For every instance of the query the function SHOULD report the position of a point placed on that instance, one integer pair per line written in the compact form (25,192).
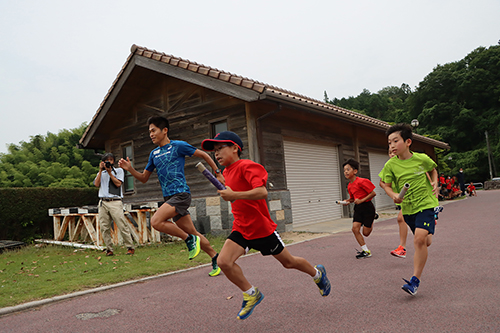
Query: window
(218,127)
(128,182)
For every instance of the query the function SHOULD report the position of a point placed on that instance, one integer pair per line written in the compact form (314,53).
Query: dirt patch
(296,236)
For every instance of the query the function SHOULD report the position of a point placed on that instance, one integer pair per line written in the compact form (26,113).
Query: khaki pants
(110,211)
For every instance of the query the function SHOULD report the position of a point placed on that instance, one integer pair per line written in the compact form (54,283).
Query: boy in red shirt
(253,227)
(361,192)
(471,189)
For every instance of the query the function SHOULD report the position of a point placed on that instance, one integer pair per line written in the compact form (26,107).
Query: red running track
(459,292)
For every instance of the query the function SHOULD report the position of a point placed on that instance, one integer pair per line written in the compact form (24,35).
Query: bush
(24,211)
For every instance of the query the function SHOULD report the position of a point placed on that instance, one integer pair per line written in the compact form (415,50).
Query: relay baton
(403,191)
(209,176)
(343,202)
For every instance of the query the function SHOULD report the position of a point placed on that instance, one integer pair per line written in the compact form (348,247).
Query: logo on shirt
(420,170)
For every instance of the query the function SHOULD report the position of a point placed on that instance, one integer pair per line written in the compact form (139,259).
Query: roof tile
(193,67)
(214,73)
(203,70)
(224,76)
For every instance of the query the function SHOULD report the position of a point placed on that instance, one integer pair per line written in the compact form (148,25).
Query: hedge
(24,211)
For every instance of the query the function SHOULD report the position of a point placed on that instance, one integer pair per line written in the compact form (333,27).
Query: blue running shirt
(169,163)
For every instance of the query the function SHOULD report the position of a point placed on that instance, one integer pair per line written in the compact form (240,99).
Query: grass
(42,271)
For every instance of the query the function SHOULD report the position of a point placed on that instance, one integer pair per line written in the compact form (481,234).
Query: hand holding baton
(403,191)
(210,177)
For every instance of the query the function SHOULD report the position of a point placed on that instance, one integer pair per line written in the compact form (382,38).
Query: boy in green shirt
(420,199)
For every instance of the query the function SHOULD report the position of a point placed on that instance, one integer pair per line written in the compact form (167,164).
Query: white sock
(250,291)
(318,274)
(365,248)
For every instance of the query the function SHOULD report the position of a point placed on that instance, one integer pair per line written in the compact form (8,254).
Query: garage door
(377,162)
(313,178)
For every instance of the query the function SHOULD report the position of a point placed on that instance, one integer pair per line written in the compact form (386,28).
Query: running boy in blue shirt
(420,199)
(168,159)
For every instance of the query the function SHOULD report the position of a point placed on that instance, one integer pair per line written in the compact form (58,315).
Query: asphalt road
(459,290)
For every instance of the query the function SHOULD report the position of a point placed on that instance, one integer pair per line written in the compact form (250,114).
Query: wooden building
(301,142)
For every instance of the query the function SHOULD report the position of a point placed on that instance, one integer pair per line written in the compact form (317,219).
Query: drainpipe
(260,138)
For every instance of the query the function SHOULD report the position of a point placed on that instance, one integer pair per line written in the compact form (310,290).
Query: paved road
(459,292)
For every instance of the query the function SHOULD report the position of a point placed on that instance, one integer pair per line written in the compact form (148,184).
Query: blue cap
(226,136)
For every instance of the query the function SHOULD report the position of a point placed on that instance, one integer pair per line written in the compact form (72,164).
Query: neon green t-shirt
(412,171)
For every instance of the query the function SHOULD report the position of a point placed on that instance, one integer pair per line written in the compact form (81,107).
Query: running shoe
(193,244)
(399,252)
(249,303)
(215,268)
(323,282)
(411,286)
(364,254)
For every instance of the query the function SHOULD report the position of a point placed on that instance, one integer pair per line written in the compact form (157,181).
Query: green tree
(460,101)
(49,161)
(457,102)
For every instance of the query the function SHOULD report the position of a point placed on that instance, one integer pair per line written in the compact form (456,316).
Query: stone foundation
(212,215)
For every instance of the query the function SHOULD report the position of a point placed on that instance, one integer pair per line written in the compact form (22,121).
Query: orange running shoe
(399,252)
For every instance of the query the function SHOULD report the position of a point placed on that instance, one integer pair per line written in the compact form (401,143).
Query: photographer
(109,180)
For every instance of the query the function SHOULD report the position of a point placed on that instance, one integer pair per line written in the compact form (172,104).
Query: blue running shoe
(249,303)
(411,286)
(323,282)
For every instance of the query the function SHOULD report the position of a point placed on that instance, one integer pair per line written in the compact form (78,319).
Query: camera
(108,164)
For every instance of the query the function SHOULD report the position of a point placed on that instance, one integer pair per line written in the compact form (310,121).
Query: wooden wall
(190,110)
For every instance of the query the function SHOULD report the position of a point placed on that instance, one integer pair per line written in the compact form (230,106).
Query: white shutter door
(313,178)
(377,162)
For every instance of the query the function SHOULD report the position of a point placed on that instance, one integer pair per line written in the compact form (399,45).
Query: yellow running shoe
(249,303)
(194,247)
(215,268)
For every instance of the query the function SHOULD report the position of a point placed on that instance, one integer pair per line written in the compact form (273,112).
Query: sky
(59,58)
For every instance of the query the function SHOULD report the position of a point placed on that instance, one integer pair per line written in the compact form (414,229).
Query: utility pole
(489,153)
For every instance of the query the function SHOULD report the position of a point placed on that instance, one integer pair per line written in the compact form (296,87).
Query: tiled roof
(248,83)
(261,88)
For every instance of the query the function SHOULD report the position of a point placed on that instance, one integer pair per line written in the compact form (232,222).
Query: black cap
(226,136)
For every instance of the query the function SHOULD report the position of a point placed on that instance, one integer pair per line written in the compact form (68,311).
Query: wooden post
(57,226)
(133,230)
(87,220)
(142,222)
(64,226)
(75,228)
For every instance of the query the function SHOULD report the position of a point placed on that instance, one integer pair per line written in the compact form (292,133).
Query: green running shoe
(193,244)
(249,303)
(215,268)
